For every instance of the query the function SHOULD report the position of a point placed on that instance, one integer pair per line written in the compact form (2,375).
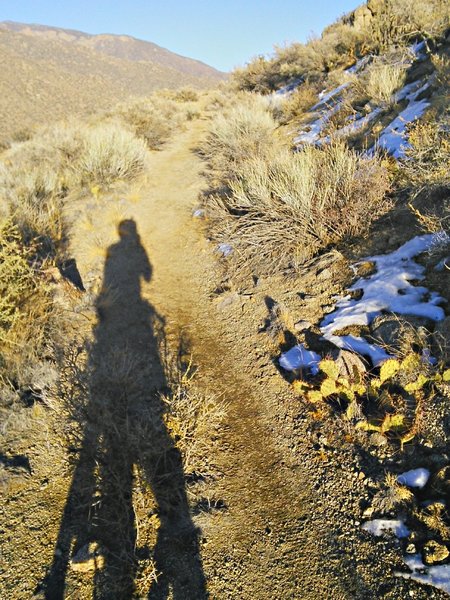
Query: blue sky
(222,33)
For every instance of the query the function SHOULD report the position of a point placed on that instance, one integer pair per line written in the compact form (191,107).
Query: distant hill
(48,73)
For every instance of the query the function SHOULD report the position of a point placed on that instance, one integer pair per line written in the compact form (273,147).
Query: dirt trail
(259,548)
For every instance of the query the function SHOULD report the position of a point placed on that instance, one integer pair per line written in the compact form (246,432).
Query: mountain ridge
(46,75)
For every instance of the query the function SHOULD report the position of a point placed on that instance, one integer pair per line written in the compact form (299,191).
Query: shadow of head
(127,230)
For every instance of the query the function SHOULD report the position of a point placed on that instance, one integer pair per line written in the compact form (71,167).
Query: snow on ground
(419,50)
(325,97)
(378,527)
(225,249)
(437,575)
(359,65)
(389,289)
(299,357)
(328,105)
(289,88)
(355,125)
(394,138)
(416,478)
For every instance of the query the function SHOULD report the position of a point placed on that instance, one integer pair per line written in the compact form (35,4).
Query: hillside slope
(50,73)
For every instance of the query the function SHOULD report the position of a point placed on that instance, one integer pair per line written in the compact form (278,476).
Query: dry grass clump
(301,100)
(109,153)
(383,81)
(246,130)
(283,211)
(391,495)
(193,420)
(427,162)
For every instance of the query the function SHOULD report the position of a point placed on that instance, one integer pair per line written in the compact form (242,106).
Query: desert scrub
(383,80)
(35,176)
(281,212)
(154,119)
(245,131)
(427,162)
(301,100)
(26,309)
(110,153)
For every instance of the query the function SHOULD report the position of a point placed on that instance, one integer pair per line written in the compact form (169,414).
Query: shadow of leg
(176,554)
(75,529)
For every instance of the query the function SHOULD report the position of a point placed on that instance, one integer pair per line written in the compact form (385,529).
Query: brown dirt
(289,500)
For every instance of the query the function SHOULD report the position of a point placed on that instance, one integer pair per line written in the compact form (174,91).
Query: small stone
(89,558)
(377,439)
(348,363)
(433,552)
(365,268)
(411,549)
(302,325)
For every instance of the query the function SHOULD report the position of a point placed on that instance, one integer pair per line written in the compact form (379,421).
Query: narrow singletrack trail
(269,542)
(261,548)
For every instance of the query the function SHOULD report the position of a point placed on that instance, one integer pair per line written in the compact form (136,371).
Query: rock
(88,558)
(302,325)
(411,549)
(228,301)
(348,363)
(361,18)
(433,552)
(377,440)
(389,330)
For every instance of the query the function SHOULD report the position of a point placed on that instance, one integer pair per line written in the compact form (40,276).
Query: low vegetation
(277,208)
(372,29)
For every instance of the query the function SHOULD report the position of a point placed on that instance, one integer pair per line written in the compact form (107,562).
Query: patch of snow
(388,289)
(419,50)
(289,88)
(299,357)
(315,128)
(378,527)
(356,125)
(438,575)
(416,478)
(325,97)
(394,138)
(225,249)
(359,65)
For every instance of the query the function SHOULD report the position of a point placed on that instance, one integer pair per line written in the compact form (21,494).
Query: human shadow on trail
(124,430)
